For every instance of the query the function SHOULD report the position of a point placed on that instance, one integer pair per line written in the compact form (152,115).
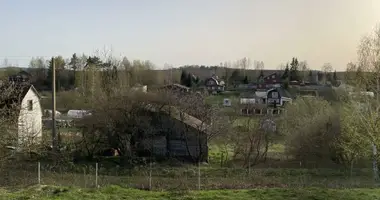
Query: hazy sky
(182,32)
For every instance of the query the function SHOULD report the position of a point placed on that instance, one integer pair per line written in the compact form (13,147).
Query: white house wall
(30,121)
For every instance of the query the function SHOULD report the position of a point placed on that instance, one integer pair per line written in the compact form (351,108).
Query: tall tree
(93,64)
(235,76)
(285,75)
(335,76)
(189,80)
(38,70)
(184,78)
(304,67)
(294,71)
(350,74)
(327,69)
(74,64)
(321,76)
(59,69)
(5,63)
(260,78)
(310,76)
(369,62)
(245,81)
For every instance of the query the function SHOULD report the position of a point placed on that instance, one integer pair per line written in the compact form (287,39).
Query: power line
(36,56)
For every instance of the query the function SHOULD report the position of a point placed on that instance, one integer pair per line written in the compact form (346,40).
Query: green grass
(116,192)
(186,177)
(218,99)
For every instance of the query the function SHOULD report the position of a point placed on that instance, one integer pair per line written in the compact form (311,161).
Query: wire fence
(190,177)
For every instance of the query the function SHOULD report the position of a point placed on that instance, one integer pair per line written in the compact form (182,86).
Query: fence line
(192,177)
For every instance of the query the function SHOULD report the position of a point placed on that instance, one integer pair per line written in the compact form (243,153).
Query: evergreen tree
(74,62)
(183,80)
(335,77)
(285,75)
(260,78)
(189,80)
(294,72)
(245,81)
(262,73)
(235,76)
(196,80)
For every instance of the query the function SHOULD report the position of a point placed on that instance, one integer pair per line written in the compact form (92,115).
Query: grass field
(116,192)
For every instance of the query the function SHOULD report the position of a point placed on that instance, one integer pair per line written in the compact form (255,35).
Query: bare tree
(258,66)
(251,141)
(5,62)
(304,68)
(327,70)
(245,64)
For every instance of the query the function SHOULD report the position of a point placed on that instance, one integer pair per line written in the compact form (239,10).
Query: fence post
(84,177)
(150,175)
(39,173)
(199,175)
(249,166)
(96,175)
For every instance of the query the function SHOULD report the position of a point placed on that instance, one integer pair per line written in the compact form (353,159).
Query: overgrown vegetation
(158,136)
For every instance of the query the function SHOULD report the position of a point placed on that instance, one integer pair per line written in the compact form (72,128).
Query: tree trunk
(351,167)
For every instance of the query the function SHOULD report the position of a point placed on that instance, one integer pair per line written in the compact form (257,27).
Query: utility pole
(54,132)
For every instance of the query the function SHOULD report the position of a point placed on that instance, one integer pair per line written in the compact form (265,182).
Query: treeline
(89,73)
(78,72)
(243,71)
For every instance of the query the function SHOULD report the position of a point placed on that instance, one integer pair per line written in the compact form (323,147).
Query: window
(250,111)
(275,95)
(258,111)
(244,111)
(30,105)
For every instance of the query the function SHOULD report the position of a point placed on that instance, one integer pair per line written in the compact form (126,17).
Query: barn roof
(181,116)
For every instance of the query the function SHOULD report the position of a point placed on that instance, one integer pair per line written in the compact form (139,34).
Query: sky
(181,32)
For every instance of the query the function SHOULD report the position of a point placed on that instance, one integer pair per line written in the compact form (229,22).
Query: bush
(310,126)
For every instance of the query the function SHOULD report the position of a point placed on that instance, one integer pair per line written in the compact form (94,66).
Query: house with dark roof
(178,135)
(278,97)
(20,77)
(20,105)
(270,81)
(214,85)
(273,78)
